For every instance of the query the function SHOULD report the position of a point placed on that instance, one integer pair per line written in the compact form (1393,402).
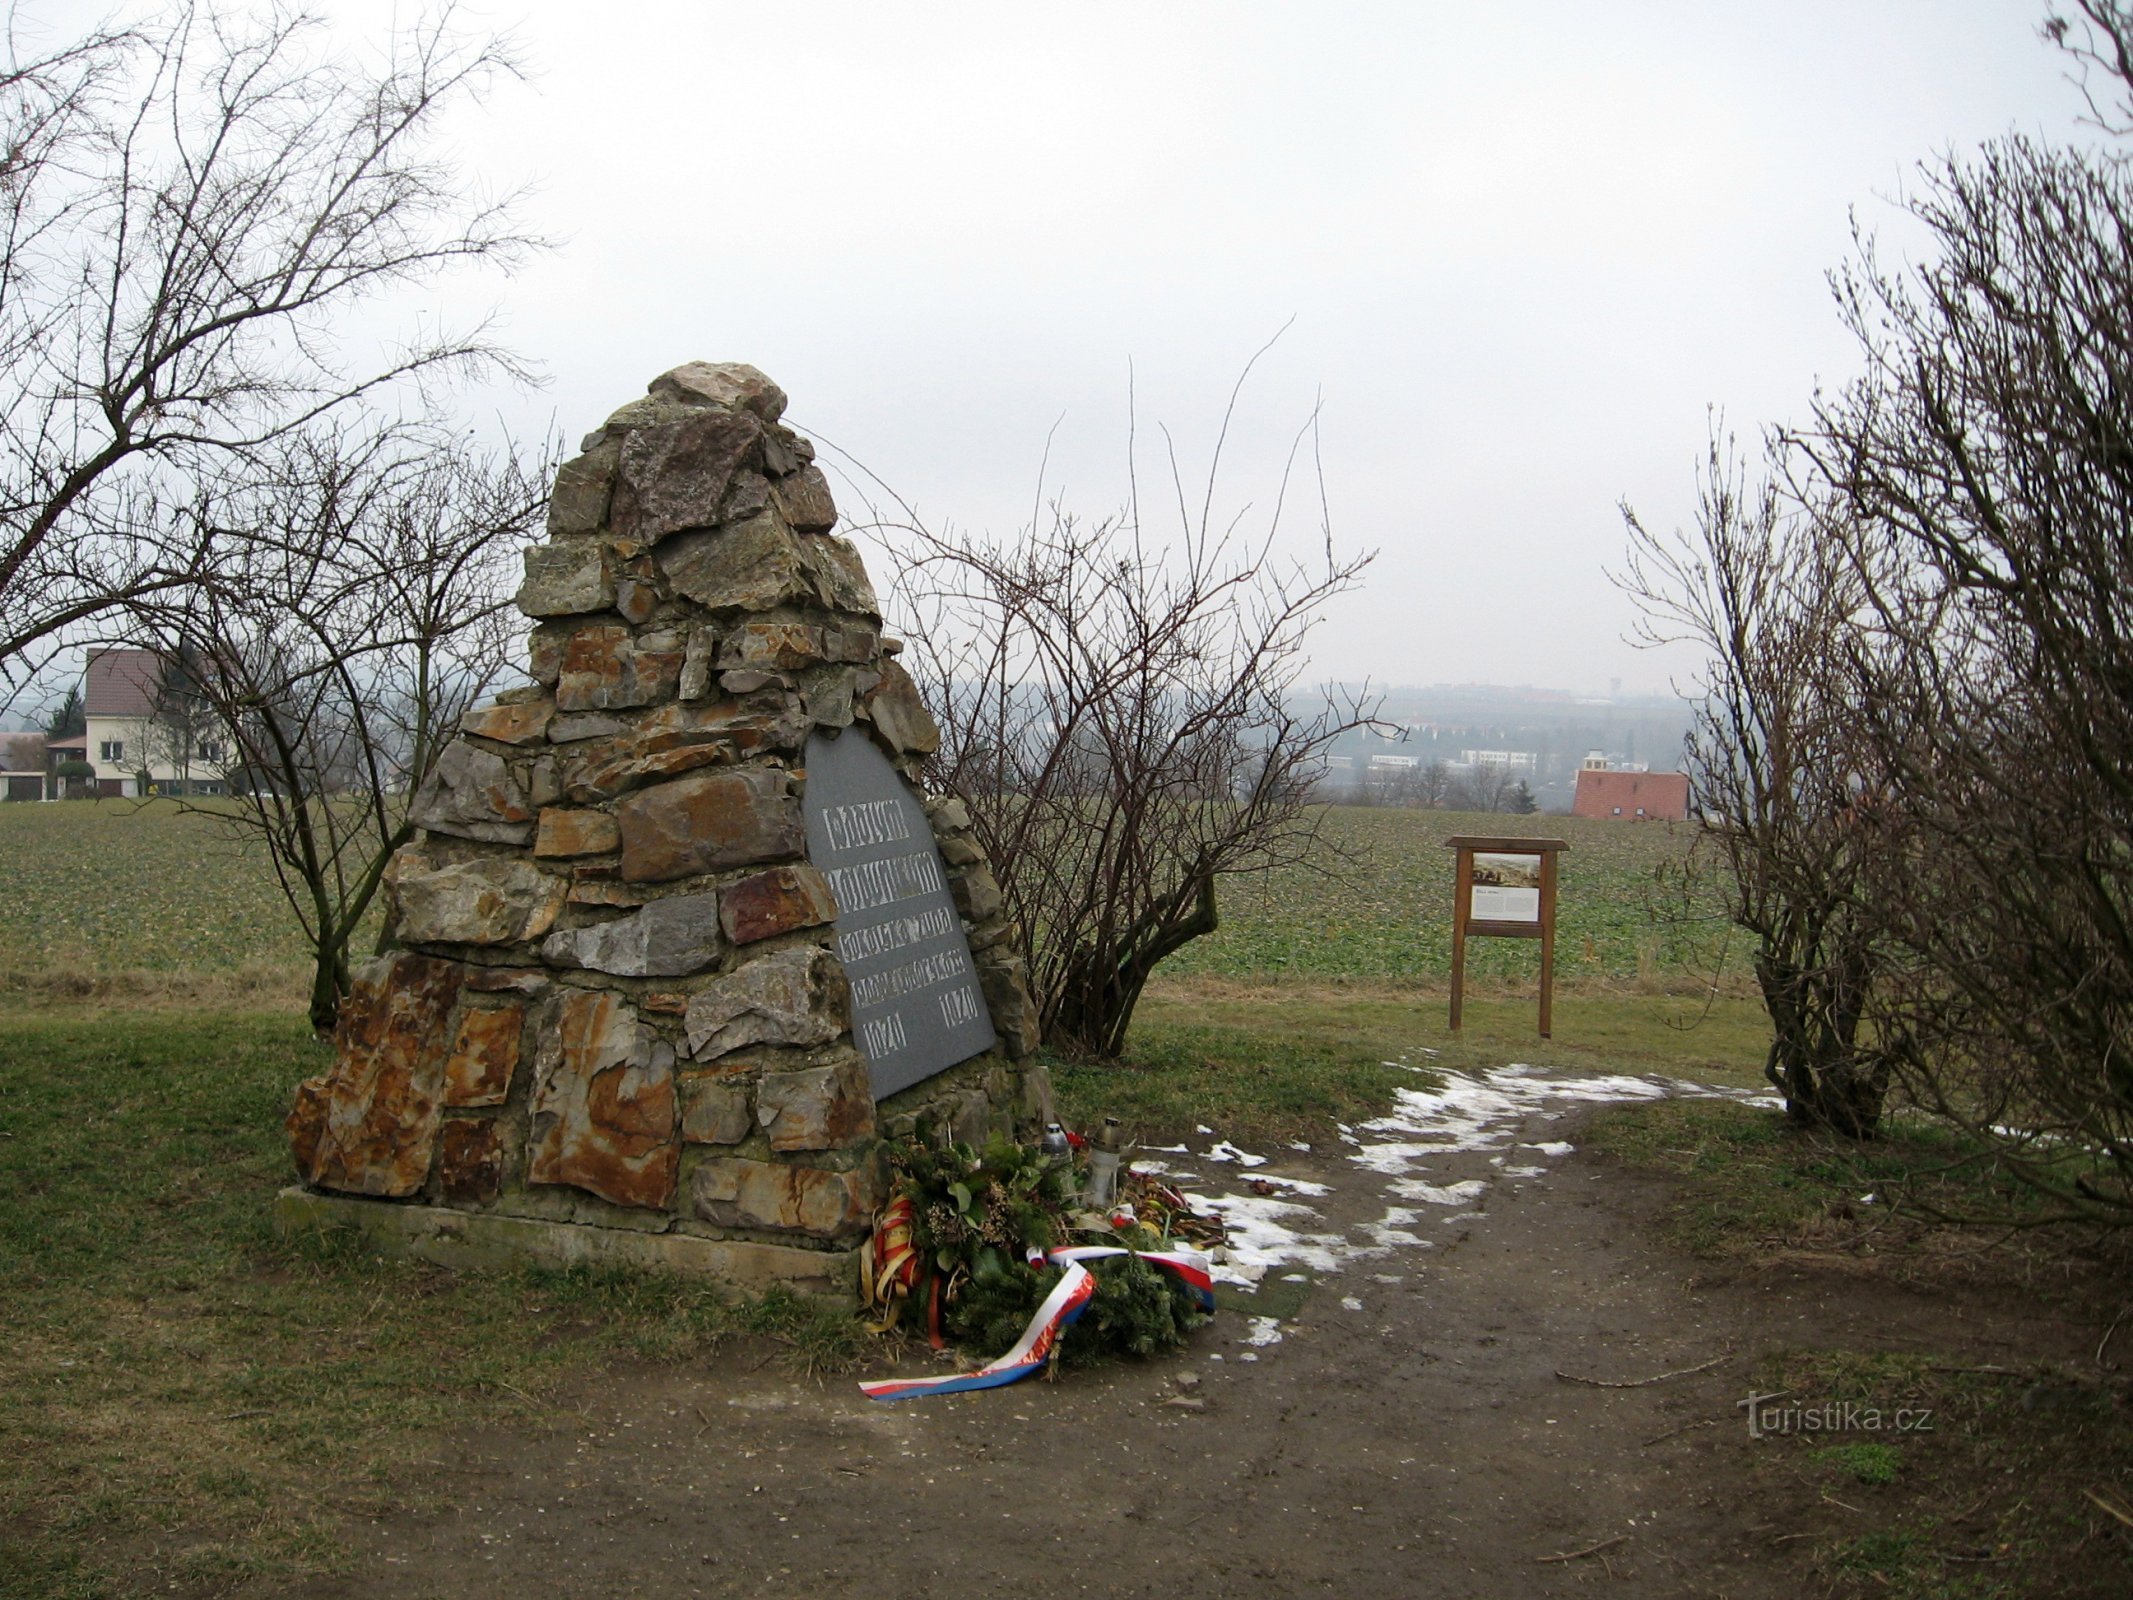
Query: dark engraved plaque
(916,1005)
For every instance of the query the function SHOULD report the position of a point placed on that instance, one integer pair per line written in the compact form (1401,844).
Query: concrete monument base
(468,1239)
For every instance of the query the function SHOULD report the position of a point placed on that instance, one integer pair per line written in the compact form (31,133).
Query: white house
(133,751)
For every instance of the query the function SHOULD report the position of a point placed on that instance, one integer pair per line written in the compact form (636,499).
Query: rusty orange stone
(604,1113)
(735,1192)
(900,715)
(306,1123)
(470,1160)
(722,819)
(484,1056)
(681,737)
(566,831)
(510,724)
(775,902)
(604,666)
(370,1125)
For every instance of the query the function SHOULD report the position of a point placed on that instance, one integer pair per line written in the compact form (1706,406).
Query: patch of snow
(1482,1114)
(1264,1233)
(1391,1233)
(1350,1303)
(1450,1194)
(1203,1128)
(1263,1331)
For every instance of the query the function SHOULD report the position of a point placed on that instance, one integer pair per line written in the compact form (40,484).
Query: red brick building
(1631,796)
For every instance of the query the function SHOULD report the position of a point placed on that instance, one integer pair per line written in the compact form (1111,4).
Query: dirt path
(1408,1434)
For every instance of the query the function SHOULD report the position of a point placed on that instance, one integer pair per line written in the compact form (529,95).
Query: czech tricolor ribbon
(1070,1297)
(1188,1266)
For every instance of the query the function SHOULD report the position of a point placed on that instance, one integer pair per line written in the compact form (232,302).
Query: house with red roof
(1630,796)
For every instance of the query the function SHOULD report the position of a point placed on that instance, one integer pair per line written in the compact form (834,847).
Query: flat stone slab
(486,1241)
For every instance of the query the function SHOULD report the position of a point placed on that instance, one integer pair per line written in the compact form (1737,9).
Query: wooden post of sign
(1462,897)
(1514,880)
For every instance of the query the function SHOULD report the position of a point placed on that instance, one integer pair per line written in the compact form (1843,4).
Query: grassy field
(1283,1059)
(119,894)
(141,900)
(184,1394)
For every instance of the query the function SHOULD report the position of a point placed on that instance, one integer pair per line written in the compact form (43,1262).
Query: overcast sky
(1524,250)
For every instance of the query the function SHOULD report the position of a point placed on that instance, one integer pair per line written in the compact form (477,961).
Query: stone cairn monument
(679,941)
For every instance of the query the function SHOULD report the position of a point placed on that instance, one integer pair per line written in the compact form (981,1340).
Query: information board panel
(1507,888)
(917,1008)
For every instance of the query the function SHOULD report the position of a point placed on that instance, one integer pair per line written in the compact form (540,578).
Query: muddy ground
(1412,1432)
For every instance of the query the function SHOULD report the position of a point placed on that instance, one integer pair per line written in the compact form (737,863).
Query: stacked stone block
(617,1003)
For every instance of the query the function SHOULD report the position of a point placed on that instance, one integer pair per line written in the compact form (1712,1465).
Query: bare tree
(1769,600)
(1121,715)
(1432,788)
(1985,461)
(365,607)
(193,214)
(1486,786)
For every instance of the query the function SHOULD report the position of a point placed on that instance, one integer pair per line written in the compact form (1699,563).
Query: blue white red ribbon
(1189,1267)
(1070,1297)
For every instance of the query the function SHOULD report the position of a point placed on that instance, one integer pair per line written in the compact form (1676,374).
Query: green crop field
(109,889)
(1382,909)
(112,890)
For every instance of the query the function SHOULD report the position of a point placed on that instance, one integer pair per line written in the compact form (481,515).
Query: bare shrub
(365,609)
(1768,600)
(1121,713)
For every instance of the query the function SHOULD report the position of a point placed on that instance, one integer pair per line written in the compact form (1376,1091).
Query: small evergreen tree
(70,718)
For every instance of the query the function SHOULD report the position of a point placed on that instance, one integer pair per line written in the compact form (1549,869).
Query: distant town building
(1501,760)
(1631,796)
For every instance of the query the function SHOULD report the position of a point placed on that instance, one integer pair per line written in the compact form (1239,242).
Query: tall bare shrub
(1122,713)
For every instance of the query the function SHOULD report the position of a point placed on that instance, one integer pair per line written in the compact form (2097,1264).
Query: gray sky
(1525,248)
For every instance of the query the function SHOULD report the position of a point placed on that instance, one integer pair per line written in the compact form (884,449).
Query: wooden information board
(1505,889)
